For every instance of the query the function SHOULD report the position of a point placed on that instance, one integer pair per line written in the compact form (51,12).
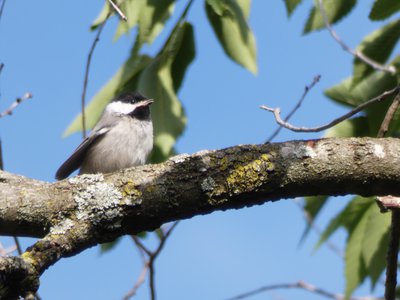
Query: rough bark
(71,215)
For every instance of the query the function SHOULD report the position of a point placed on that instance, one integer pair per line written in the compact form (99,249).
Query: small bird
(122,138)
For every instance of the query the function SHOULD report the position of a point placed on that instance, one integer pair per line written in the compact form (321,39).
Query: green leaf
(105,11)
(132,10)
(291,5)
(229,21)
(105,247)
(149,15)
(383,9)
(374,244)
(367,233)
(186,54)
(218,6)
(245,6)
(156,82)
(132,67)
(353,95)
(371,86)
(347,218)
(355,271)
(335,11)
(378,46)
(167,113)
(312,207)
(356,127)
(159,233)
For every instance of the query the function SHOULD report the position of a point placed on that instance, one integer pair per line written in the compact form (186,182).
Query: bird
(122,138)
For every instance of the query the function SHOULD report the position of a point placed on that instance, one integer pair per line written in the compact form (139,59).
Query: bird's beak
(145,103)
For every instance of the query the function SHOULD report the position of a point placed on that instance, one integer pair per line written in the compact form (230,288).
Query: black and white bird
(122,138)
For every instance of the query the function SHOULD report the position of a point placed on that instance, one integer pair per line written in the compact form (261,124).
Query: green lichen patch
(131,195)
(129,189)
(249,175)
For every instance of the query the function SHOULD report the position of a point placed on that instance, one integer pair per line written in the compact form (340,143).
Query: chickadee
(122,138)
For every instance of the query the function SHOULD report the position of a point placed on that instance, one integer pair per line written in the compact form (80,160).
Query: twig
(138,283)
(167,233)
(355,53)
(2,8)
(277,111)
(17,245)
(118,10)
(17,102)
(299,285)
(392,256)
(389,116)
(85,82)
(141,246)
(297,106)
(393,247)
(148,264)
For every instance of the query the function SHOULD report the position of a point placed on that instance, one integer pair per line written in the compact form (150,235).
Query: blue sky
(44,45)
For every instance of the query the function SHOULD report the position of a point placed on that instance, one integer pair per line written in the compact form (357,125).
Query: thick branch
(145,197)
(78,213)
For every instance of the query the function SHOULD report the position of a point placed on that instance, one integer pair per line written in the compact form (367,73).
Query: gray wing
(76,159)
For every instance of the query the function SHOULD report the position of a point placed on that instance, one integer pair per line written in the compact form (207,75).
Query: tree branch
(118,10)
(297,106)
(75,214)
(303,286)
(357,54)
(277,113)
(392,255)
(18,101)
(86,77)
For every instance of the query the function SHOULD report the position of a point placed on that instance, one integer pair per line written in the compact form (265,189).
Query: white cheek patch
(119,107)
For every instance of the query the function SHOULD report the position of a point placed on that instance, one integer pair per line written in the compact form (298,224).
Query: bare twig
(355,53)
(118,10)
(148,264)
(392,256)
(389,116)
(140,245)
(277,111)
(139,282)
(17,102)
(167,233)
(297,106)
(388,202)
(85,82)
(299,285)
(1,67)
(17,245)
(3,3)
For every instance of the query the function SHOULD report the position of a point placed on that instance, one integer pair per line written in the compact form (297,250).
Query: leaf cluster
(367,228)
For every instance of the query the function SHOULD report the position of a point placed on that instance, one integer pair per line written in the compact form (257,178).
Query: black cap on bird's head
(131,97)
(132,104)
